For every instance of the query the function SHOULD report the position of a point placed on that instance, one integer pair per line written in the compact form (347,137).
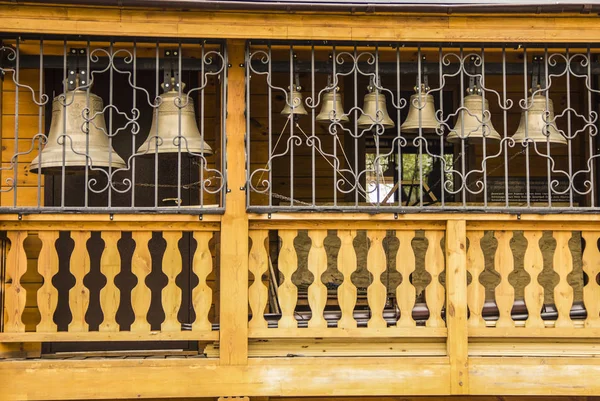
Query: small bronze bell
(332,111)
(296,102)
(429,124)
(72,124)
(375,112)
(540,129)
(476,125)
(167,126)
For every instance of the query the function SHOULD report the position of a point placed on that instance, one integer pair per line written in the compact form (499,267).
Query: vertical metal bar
(398,125)
(590,131)
(569,142)
(312,150)
(87,124)
(335,140)
(483,128)
(248,117)
(270,117)
(40,124)
(133,147)
(377,163)
(16,165)
(527,189)
(202,106)
(156,116)
(292,116)
(548,163)
(505,126)
(110,122)
(420,95)
(441,82)
(355,104)
(179,136)
(463,140)
(224,124)
(64,134)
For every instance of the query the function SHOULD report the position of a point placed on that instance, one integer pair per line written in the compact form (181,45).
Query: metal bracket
(171,78)
(76,68)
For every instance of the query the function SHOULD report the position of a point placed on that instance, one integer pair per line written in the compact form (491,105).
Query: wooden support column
(234,225)
(456,305)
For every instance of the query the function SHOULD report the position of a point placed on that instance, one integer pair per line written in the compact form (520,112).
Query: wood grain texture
(376,292)
(475,290)
(405,265)
(288,292)
(563,292)
(456,310)
(171,294)
(504,264)
(14,292)
(346,292)
(591,267)
(434,293)
(47,296)
(534,292)
(317,292)
(79,295)
(258,293)
(141,267)
(202,266)
(110,266)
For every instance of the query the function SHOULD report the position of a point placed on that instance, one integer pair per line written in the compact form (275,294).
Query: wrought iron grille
(404,127)
(112,125)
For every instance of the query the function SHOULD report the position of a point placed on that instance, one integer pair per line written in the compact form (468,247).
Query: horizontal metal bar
(111,210)
(426,209)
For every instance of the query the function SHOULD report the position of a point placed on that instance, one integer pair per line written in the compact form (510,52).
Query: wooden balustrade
(105,273)
(327,283)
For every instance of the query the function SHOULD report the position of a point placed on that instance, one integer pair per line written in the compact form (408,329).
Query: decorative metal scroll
(410,127)
(100,144)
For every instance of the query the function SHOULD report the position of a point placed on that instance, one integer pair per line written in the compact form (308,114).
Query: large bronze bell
(540,128)
(429,124)
(476,125)
(332,111)
(165,125)
(375,112)
(72,124)
(296,102)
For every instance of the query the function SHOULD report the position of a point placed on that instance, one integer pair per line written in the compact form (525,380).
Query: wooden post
(234,225)
(456,305)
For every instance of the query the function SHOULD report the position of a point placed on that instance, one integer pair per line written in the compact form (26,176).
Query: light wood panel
(376,292)
(405,265)
(141,267)
(505,292)
(347,290)
(534,292)
(79,295)
(110,266)
(171,294)
(434,293)
(258,264)
(591,267)
(475,291)
(47,297)
(317,292)
(563,292)
(14,293)
(288,292)
(202,266)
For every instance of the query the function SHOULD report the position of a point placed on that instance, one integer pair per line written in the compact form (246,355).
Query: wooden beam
(185,377)
(456,305)
(234,224)
(63,336)
(77,20)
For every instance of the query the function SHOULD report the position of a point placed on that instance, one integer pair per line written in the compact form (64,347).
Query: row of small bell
(473,124)
(165,124)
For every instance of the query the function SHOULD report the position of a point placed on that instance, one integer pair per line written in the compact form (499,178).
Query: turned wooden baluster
(47,296)
(476,290)
(110,266)
(563,292)
(288,292)
(534,292)
(258,293)
(405,265)
(591,267)
(317,292)
(504,265)
(79,295)
(141,267)
(171,294)
(202,266)
(434,293)
(14,293)
(346,292)
(376,292)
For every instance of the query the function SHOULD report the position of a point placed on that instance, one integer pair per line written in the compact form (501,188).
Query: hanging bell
(72,124)
(297,104)
(540,129)
(332,111)
(429,124)
(474,126)
(375,112)
(167,127)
